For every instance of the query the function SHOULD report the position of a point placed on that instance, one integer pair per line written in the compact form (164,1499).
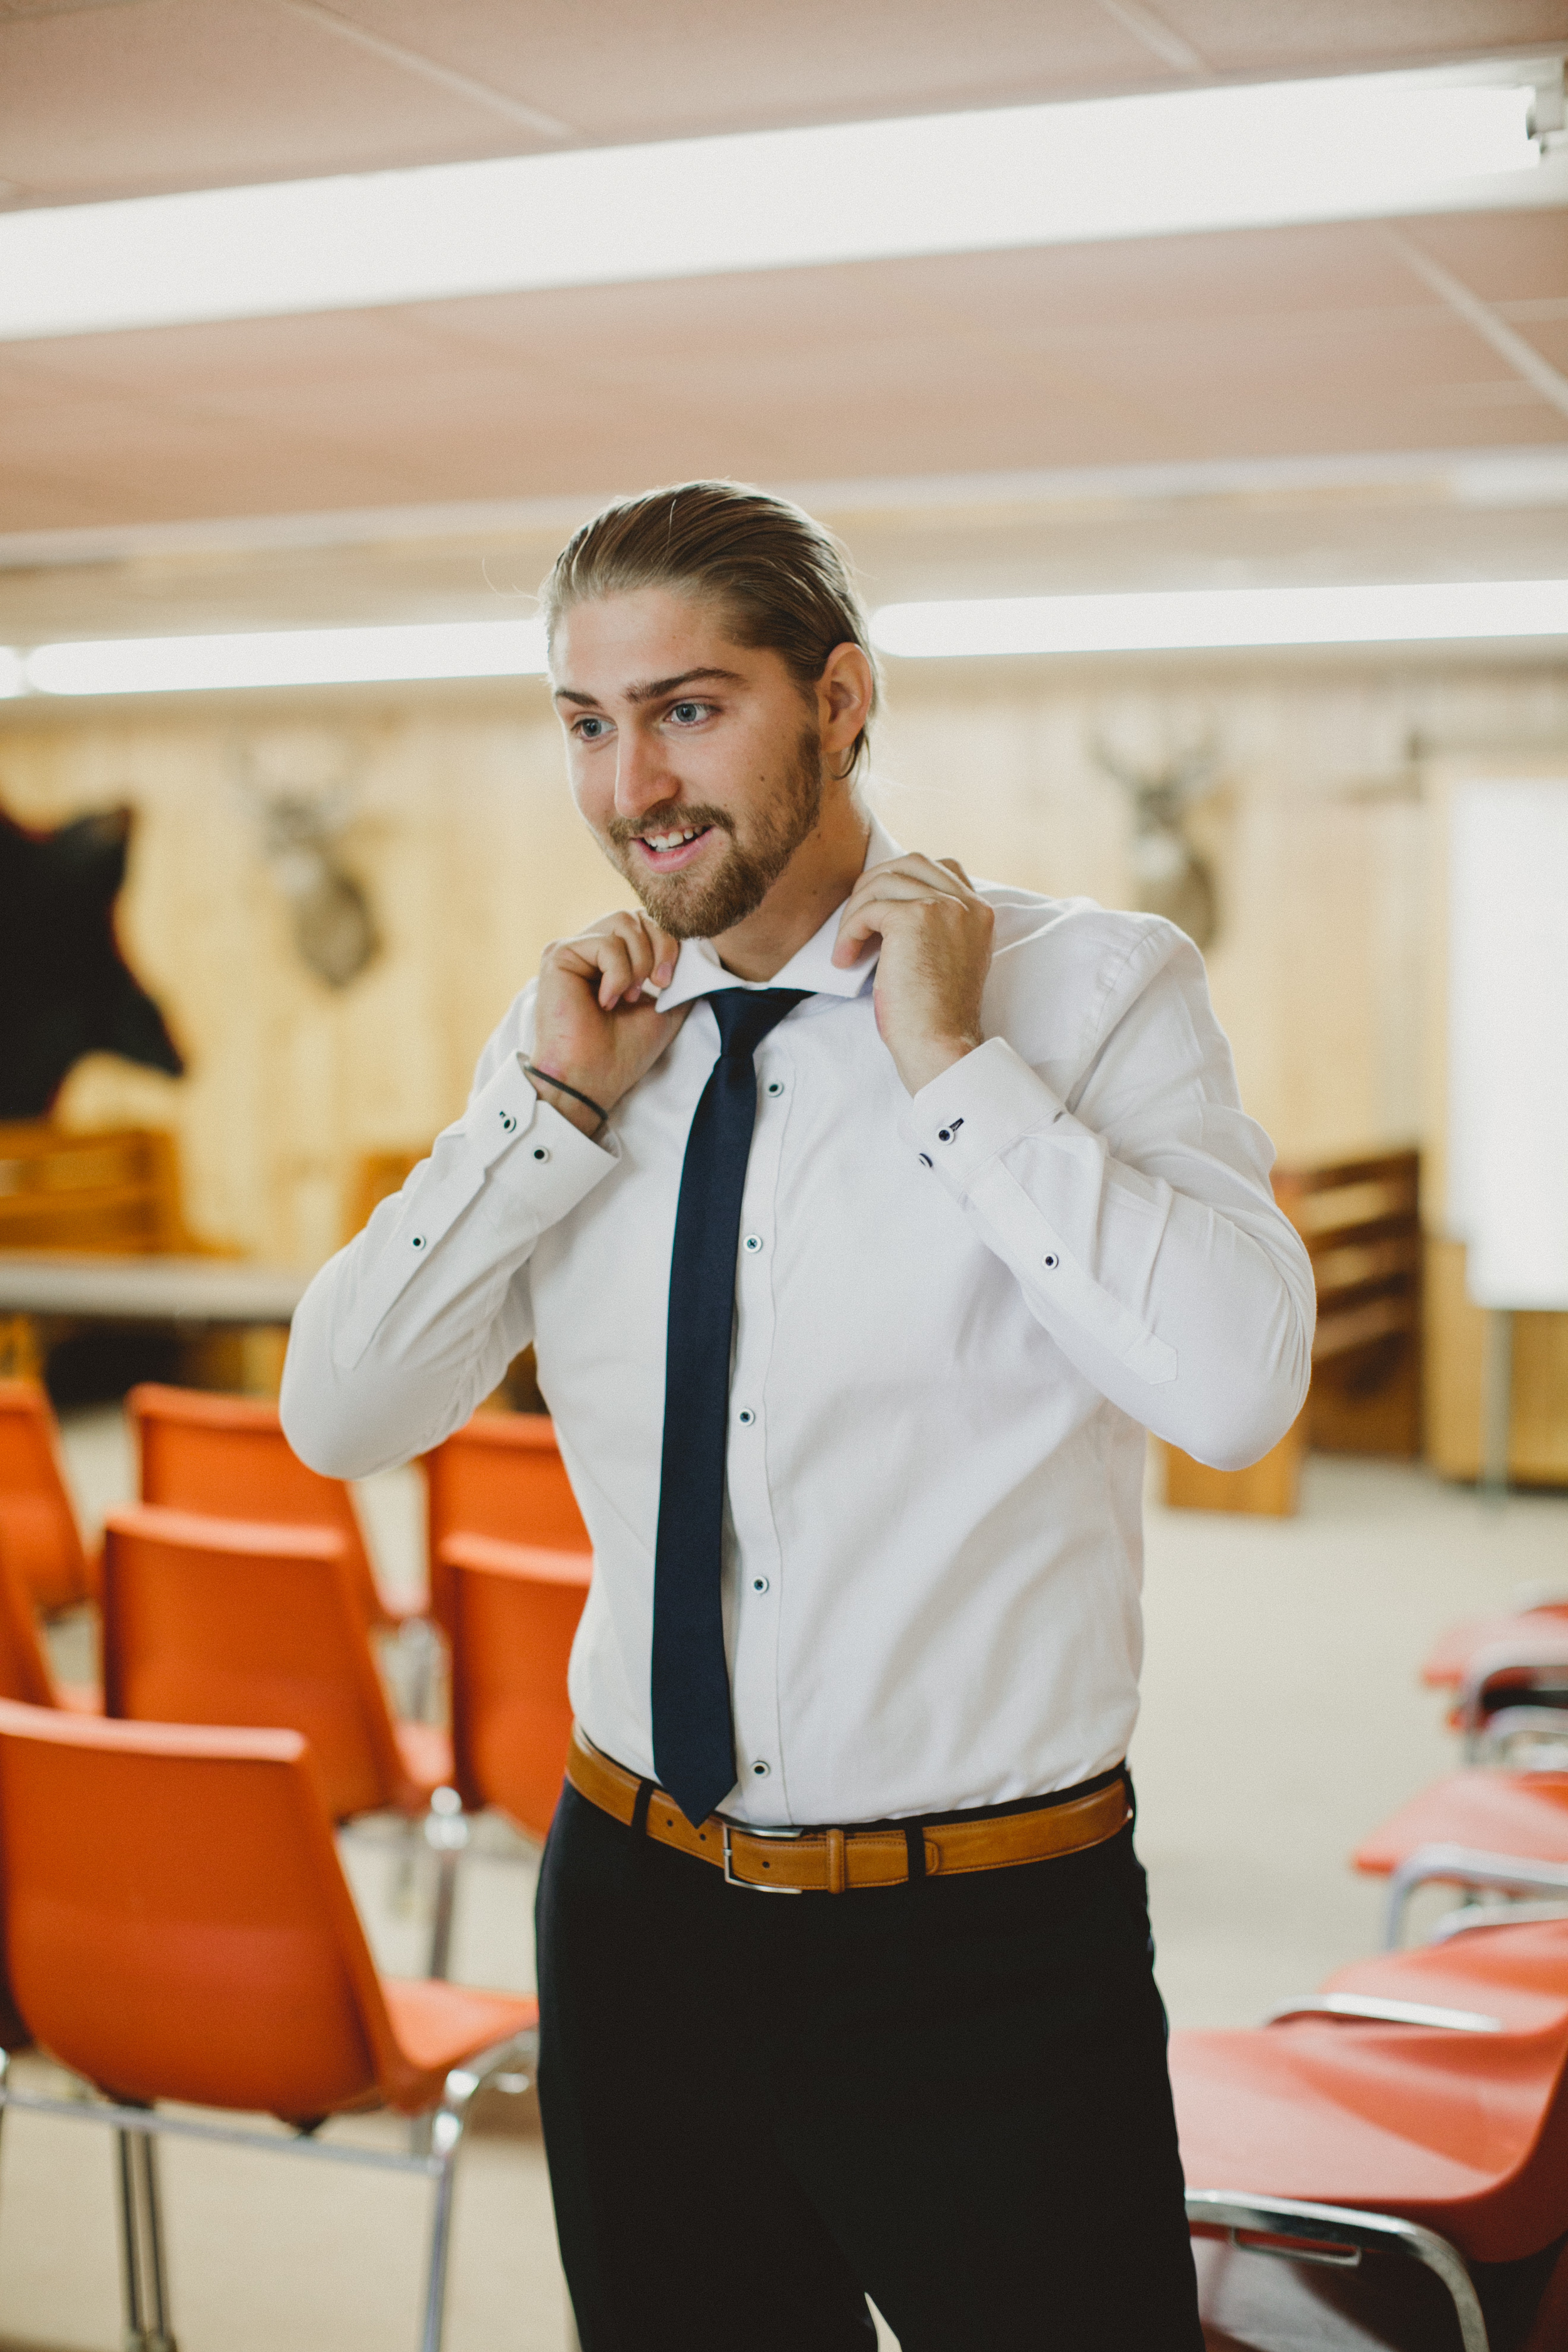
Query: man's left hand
(936,951)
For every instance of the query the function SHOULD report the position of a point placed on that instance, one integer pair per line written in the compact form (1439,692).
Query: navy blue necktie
(693,1738)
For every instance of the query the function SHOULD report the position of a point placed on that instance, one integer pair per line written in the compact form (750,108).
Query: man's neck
(818,879)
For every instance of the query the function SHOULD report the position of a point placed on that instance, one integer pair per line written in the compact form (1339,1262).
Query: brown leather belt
(827,1861)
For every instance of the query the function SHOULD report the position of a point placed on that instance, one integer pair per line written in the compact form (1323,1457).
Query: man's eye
(589,730)
(686,714)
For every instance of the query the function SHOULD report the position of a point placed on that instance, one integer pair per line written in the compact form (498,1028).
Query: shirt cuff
(508,1121)
(976,1110)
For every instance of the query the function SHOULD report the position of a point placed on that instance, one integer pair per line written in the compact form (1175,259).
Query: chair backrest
(226,1457)
(514,1613)
(36,1521)
(177,1918)
(25,1672)
(500,1475)
(213,1620)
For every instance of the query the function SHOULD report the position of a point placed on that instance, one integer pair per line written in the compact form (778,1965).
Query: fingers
(625,954)
(907,881)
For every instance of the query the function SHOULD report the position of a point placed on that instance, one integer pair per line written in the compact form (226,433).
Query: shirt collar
(698,973)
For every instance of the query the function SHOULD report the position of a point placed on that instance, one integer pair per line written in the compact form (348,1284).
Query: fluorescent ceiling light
(1182,160)
(1141,623)
(283,657)
(1166,620)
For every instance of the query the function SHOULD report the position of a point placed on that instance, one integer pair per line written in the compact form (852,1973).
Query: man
(864,1217)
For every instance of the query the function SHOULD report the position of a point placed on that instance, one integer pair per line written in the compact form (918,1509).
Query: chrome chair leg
(417,1639)
(159,2334)
(444,2131)
(447,1833)
(1296,2230)
(129,2244)
(446,2138)
(144,2272)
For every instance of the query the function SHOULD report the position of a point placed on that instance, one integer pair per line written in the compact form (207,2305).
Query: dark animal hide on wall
(65,988)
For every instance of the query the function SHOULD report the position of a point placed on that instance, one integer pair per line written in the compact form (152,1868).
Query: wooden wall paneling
(1538,1423)
(474,857)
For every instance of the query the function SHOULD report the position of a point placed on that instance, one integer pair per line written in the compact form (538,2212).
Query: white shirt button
(753,1242)
(416,1241)
(776,1085)
(760,1769)
(507,1122)
(1049,1258)
(759,1584)
(540,1151)
(745,1416)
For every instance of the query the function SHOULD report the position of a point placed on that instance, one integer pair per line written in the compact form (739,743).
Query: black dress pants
(950,2095)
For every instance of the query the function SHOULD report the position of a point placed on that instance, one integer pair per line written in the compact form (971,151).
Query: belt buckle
(752,1884)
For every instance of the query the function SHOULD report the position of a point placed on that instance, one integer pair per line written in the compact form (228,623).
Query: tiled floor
(1282,1719)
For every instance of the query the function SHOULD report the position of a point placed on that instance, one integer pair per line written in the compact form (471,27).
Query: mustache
(670,816)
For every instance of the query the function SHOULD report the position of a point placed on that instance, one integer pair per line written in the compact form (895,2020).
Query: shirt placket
(757,1565)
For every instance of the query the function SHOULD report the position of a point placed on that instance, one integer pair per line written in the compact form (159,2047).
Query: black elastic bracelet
(561,1088)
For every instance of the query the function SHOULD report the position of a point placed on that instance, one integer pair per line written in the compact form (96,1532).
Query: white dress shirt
(955,1316)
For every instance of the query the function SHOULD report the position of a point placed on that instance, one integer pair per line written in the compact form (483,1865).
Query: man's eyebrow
(654,687)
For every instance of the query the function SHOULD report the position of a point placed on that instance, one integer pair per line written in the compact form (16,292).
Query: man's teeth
(662,840)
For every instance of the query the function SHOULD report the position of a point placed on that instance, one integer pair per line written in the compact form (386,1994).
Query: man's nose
(642,779)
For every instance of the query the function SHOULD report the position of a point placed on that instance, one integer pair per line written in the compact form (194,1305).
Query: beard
(692,907)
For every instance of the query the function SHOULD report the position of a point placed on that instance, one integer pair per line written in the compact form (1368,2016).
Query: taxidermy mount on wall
(301,784)
(1171,876)
(65,988)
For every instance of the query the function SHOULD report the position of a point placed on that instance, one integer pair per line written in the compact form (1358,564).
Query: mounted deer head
(302,786)
(1171,876)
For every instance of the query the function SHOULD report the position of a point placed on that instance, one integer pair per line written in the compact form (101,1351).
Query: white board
(1508,1043)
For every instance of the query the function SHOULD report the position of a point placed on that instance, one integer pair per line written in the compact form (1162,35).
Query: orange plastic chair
(499,1476)
(1451,1657)
(1502,1831)
(1419,2104)
(514,1611)
(178,1927)
(37,1522)
(226,1457)
(25,1674)
(213,1620)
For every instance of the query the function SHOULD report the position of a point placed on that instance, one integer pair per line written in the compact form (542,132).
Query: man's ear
(845,692)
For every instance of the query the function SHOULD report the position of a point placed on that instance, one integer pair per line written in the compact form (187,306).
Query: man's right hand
(595,1025)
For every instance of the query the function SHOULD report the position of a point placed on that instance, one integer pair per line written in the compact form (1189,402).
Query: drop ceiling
(1267,346)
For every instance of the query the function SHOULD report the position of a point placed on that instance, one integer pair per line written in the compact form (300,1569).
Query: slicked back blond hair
(783,580)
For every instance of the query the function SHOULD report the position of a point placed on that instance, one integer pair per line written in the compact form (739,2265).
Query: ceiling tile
(636,69)
(1501,256)
(1283,343)
(197,93)
(1257,36)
